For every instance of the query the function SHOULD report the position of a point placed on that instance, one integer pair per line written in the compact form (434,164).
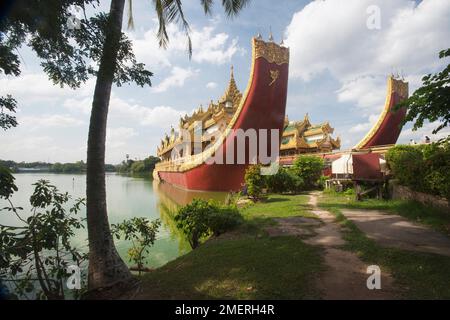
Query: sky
(338,72)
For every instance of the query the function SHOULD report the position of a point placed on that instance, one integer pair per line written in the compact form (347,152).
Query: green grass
(419,275)
(412,210)
(279,206)
(258,268)
(248,265)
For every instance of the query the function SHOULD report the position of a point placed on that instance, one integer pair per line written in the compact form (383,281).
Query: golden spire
(232,90)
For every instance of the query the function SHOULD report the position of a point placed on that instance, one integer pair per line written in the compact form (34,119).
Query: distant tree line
(76,167)
(138,167)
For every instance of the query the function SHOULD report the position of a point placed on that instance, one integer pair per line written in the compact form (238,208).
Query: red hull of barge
(264,106)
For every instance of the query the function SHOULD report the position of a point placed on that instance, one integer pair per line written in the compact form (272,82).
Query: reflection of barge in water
(262,106)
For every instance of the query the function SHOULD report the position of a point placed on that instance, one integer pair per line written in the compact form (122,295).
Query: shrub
(142,234)
(422,168)
(321,182)
(284,181)
(201,218)
(406,164)
(224,219)
(192,219)
(309,170)
(254,181)
(437,164)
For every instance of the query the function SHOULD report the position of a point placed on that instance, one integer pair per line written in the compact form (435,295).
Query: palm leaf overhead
(233,7)
(171,11)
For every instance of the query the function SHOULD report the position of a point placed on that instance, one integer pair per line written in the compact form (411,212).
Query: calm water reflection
(127,197)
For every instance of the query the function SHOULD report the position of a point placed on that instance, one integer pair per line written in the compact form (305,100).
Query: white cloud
(332,36)
(367,93)
(208,45)
(83,105)
(118,137)
(213,48)
(159,116)
(211,85)
(177,78)
(50,121)
(36,87)
(365,126)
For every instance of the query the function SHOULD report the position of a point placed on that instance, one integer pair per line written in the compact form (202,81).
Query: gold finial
(270,35)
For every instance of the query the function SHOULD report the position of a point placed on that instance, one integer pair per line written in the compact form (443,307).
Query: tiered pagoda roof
(304,137)
(220,112)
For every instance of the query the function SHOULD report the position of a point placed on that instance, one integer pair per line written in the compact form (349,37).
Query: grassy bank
(247,265)
(420,275)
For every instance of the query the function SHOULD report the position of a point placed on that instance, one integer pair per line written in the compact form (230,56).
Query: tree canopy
(68,54)
(431,102)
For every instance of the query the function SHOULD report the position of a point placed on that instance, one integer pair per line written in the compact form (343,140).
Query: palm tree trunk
(106,268)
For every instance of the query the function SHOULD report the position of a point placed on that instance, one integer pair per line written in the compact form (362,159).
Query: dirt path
(345,276)
(397,232)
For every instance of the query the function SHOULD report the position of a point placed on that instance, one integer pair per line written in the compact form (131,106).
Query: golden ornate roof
(304,135)
(209,117)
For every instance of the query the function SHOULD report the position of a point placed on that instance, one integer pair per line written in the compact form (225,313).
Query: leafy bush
(309,170)
(193,218)
(201,218)
(254,181)
(422,168)
(35,254)
(284,181)
(322,182)
(407,165)
(7,186)
(224,219)
(142,234)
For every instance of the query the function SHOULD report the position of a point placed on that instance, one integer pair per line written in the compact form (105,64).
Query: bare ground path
(397,232)
(345,276)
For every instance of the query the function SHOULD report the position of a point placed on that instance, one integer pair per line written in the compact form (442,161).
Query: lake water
(127,197)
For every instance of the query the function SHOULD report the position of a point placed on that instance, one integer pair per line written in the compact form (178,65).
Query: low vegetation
(423,168)
(201,218)
(142,234)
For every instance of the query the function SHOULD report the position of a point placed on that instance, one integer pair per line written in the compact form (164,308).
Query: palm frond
(169,11)
(233,7)
(207,4)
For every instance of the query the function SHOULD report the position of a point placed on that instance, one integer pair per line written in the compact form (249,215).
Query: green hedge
(423,168)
